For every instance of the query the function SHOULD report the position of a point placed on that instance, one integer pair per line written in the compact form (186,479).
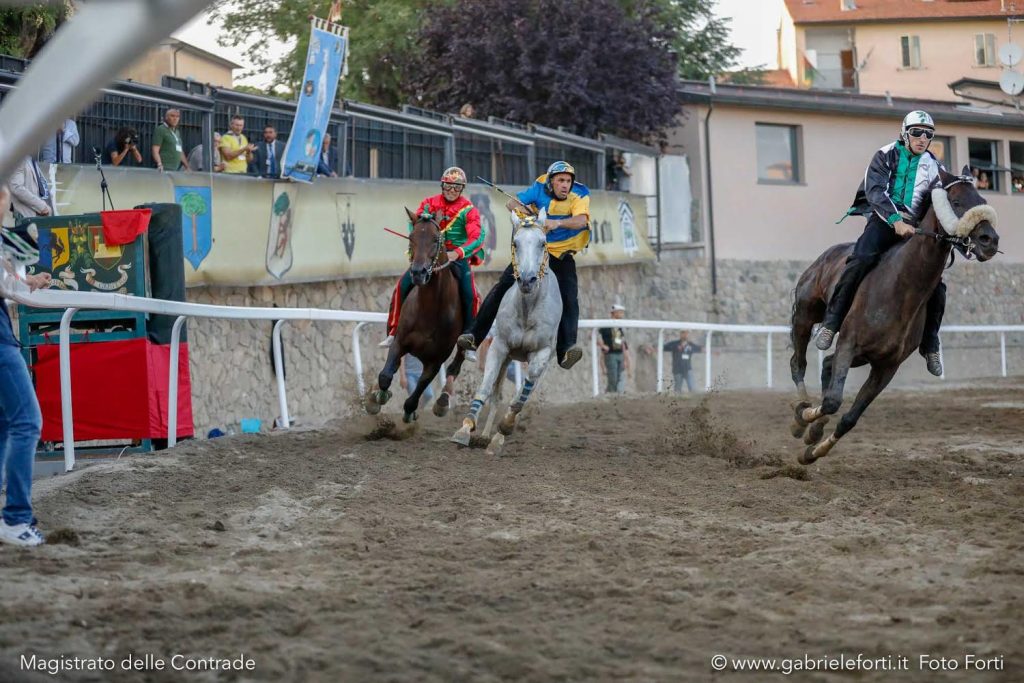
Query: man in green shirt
(168,151)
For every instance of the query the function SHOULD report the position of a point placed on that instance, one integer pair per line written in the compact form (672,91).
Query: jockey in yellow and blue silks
(464,237)
(567,204)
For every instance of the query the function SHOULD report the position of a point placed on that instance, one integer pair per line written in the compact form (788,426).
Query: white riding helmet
(915,119)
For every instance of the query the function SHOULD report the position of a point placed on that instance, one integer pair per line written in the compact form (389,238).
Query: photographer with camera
(123,150)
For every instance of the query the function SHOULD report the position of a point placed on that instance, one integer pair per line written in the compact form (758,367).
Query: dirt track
(628,539)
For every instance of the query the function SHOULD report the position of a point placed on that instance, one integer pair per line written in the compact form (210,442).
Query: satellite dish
(1011,82)
(1010,54)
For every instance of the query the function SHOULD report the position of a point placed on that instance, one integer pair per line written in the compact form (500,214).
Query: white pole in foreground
(660,385)
(172,383)
(65,389)
(1002,352)
(593,361)
(282,395)
(768,352)
(357,359)
(707,361)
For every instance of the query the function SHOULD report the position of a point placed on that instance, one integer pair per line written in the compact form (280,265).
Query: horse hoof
(797,429)
(441,405)
(816,431)
(461,437)
(506,426)
(409,418)
(798,411)
(372,407)
(494,447)
(380,397)
(807,457)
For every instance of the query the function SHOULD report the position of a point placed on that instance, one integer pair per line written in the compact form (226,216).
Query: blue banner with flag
(328,46)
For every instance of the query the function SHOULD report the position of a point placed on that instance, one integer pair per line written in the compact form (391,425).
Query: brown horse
(430,322)
(886,320)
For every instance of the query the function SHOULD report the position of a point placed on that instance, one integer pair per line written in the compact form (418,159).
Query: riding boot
(841,300)
(934,311)
(460,269)
(488,310)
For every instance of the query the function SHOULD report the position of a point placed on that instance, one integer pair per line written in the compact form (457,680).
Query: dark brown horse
(430,322)
(886,320)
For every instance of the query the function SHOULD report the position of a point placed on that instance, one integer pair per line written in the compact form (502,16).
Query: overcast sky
(753,28)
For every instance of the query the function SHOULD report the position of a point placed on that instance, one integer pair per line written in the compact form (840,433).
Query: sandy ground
(628,539)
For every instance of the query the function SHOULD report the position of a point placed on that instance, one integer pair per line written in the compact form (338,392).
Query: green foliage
(24,30)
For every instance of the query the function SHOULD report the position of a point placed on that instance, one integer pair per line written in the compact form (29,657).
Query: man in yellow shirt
(235,149)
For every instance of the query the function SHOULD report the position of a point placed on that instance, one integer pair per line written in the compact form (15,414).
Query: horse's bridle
(438,248)
(515,262)
(965,245)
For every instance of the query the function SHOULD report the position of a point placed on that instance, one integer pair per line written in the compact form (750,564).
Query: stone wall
(231,366)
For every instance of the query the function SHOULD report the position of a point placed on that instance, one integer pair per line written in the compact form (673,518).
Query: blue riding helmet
(555,169)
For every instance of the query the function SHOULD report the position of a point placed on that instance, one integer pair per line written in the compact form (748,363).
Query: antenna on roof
(711,84)
(888,98)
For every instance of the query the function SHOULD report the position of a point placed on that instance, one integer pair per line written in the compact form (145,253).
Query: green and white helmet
(916,119)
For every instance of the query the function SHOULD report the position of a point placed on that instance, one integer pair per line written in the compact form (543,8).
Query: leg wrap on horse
(489,308)
(565,271)
(524,395)
(475,407)
(460,269)
(933,320)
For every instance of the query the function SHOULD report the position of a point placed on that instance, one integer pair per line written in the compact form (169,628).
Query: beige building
(910,48)
(178,59)
(784,164)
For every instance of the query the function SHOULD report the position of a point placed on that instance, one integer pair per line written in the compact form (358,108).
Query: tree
(193,205)
(381,36)
(24,30)
(698,37)
(548,62)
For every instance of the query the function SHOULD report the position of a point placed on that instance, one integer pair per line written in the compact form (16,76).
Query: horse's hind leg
(412,403)
(444,399)
(877,381)
(538,364)
(381,394)
(807,310)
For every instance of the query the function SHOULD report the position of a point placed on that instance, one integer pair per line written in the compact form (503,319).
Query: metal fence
(368,141)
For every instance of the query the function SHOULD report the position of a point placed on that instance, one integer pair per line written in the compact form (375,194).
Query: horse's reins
(434,268)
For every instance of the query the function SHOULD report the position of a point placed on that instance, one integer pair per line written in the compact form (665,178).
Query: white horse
(525,328)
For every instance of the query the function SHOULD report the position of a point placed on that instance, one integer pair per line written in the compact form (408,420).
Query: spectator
(168,151)
(617,172)
(195,157)
(467,111)
(123,150)
(682,349)
(409,376)
(65,140)
(328,158)
(20,419)
(616,353)
(235,149)
(267,157)
(983,182)
(30,193)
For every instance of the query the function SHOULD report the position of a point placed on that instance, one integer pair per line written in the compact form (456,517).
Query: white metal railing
(74,301)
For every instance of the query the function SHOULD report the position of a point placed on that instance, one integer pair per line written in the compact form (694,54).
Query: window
(984,162)
(1017,167)
(848,5)
(985,49)
(910,48)
(942,148)
(777,153)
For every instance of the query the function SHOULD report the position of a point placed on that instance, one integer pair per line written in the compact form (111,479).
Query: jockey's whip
(398,234)
(492,185)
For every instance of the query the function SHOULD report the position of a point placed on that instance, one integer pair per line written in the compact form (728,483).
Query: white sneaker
(386,344)
(20,534)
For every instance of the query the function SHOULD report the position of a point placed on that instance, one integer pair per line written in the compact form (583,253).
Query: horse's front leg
(412,403)
(832,399)
(877,381)
(538,364)
(495,360)
(380,395)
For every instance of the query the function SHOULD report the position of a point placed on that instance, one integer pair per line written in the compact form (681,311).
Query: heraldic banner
(328,47)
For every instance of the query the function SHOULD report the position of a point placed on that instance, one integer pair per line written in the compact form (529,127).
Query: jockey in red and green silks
(464,240)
